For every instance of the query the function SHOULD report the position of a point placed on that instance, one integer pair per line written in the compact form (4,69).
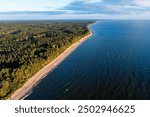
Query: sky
(74,9)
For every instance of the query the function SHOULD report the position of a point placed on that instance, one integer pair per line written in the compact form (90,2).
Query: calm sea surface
(112,64)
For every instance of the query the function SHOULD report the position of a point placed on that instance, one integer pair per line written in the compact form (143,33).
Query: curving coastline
(18,94)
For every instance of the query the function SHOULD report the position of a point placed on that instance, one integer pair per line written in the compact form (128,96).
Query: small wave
(29,92)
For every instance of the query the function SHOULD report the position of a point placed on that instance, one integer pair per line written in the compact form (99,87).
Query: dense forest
(26,47)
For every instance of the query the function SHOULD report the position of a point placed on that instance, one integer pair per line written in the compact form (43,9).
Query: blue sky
(74,9)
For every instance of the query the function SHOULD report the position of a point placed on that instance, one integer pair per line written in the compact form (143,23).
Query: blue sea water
(112,64)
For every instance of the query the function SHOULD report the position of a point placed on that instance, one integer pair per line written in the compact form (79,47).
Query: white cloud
(91,1)
(142,3)
(32,5)
(76,9)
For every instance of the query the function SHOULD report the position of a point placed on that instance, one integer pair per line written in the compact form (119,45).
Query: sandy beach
(20,93)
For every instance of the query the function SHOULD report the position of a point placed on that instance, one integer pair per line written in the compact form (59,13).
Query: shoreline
(21,92)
